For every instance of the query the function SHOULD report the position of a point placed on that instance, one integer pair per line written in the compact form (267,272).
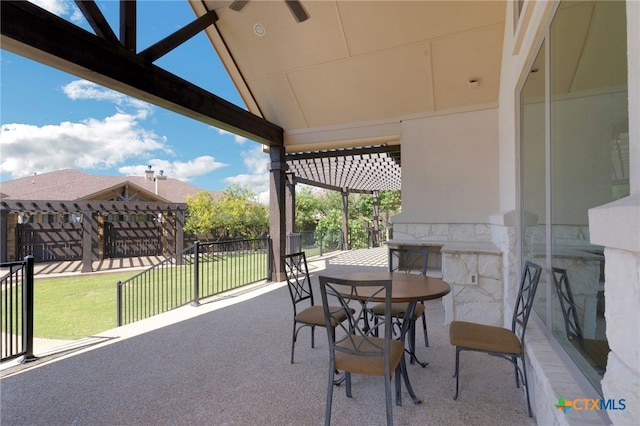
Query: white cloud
(57,7)
(256,162)
(176,169)
(89,144)
(238,139)
(61,8)
(86,90)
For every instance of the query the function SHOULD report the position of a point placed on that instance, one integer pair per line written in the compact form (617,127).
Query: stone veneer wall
(491,251)
(467,250)
(616,226)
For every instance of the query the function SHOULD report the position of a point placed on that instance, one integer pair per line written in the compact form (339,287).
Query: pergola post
(87,239)
(345,219)
(290,202)
(3,231)
(375,238)
(179,215)
(277,211)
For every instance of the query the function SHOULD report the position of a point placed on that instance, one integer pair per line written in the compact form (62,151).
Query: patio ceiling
(350,74)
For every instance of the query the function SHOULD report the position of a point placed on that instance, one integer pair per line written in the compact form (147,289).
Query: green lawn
(76,307)
(79,306)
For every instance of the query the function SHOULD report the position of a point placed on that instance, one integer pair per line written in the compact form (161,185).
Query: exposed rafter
(31,31)
(169,43)
(96,19)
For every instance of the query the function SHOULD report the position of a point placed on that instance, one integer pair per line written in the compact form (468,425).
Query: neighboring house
(42,215)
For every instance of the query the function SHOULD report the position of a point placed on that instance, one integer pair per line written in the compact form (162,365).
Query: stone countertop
(451,246)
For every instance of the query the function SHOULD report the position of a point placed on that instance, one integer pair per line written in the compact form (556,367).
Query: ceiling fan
(295,7)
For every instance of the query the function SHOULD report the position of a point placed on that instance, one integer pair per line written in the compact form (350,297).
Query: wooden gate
(49,242)
(131,239)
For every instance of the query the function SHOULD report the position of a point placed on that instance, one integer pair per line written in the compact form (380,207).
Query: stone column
(616,226)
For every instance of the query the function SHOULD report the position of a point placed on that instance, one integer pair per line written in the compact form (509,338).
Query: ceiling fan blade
(238,5)
(297,10)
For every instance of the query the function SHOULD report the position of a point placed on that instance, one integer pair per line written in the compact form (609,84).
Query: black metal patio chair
(305,312)
(499,341)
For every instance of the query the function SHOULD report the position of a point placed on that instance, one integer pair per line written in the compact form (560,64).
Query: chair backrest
(408,260)
(524,302)
(298,281)
(568,306)
(356,335)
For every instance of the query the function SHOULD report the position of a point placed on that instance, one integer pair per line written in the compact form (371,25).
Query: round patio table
(405,288)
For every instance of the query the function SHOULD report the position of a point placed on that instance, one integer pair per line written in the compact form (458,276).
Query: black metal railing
(201,270)
(16,309)
(314,243)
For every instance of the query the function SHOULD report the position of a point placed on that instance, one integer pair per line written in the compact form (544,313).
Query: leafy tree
(308,208)
(389,204)
(235,214)
(239,213)
(200,213)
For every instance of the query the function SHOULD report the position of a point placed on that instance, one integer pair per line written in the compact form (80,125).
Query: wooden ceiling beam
(174,40)
(32,32)
(128,24)
(96,19)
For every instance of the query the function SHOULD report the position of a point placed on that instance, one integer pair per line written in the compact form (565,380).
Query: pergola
(87,210)
(363,170)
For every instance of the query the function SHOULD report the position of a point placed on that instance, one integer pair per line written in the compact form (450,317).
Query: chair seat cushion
(315,315)
(371,365)
(484,337)
(398,310)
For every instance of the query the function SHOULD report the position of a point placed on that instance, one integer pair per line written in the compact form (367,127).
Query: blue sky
(51,120)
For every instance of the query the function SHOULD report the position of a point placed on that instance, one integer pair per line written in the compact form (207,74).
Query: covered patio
(517,125)
(227,362)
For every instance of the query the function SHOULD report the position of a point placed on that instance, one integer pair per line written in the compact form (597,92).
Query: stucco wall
(451,175)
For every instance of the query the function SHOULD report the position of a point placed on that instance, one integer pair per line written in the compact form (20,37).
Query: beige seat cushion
(315,315)
(484,337)
(371,365)
(398,310)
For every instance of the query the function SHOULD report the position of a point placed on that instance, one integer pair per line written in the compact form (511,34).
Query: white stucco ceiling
(350,73)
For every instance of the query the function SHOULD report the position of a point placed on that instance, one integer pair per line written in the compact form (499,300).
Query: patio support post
(375,238)
(290,206)
(345,219)
(87,227)
(277,216)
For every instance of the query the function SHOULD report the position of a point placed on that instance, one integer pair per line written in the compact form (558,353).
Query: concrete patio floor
(226,362)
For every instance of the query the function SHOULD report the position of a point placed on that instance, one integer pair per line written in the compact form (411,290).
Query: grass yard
(76,307)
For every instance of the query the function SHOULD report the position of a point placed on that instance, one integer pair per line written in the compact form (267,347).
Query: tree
(239,213)
(200,213)
(235,214)
(307,206)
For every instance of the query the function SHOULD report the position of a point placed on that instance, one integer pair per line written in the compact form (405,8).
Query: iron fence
(315,243)
(16,309)
(201,270)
